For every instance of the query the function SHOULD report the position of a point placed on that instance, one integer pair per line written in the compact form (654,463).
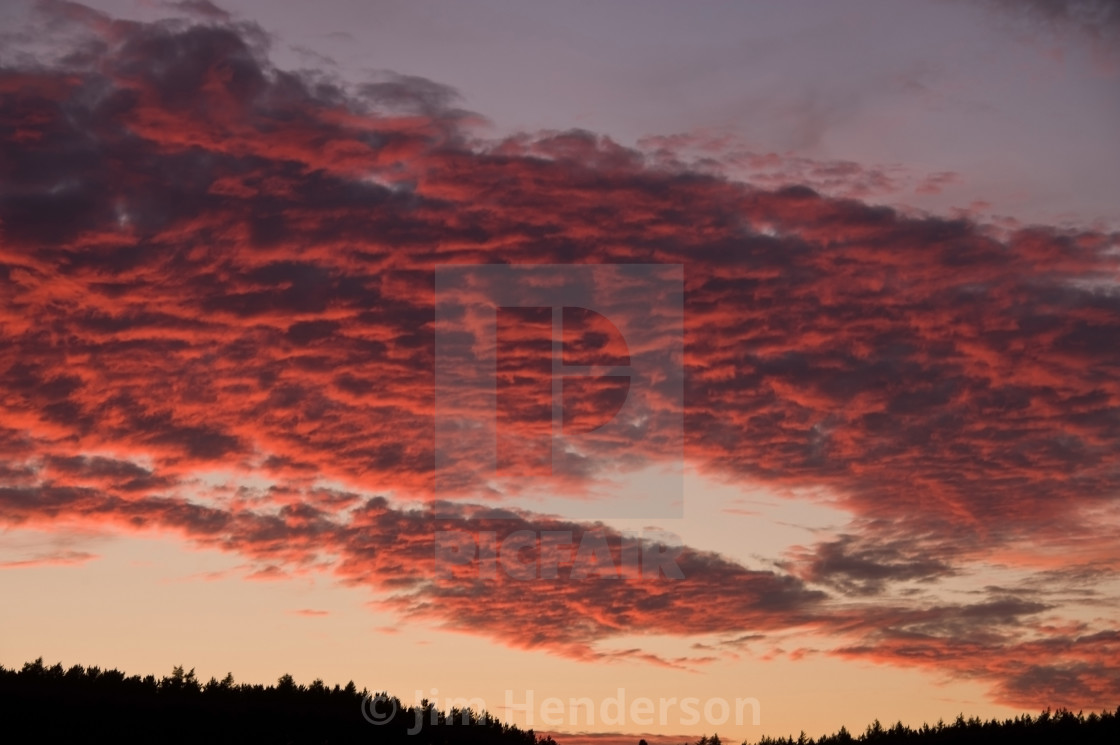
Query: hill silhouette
(87,704)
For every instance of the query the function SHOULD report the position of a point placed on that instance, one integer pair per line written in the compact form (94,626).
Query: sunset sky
(854,268)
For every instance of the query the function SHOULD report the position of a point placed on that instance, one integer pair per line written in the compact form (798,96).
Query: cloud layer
(211,266)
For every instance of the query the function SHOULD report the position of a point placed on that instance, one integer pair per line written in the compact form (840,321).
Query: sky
(756,354)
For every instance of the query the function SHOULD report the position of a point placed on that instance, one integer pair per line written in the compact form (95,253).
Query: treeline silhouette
(1061,726)
(88,704)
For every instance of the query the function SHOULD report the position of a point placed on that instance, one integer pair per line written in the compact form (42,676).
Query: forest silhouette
(41,703)
(88,704)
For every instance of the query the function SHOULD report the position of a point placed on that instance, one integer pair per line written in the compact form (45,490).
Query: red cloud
(52,559)
(204,270)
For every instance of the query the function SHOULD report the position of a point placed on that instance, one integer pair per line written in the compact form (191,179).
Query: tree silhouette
(1061,726)
(50,704)
(88,704)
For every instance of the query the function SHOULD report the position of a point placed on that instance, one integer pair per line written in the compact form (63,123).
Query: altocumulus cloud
(210,264)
